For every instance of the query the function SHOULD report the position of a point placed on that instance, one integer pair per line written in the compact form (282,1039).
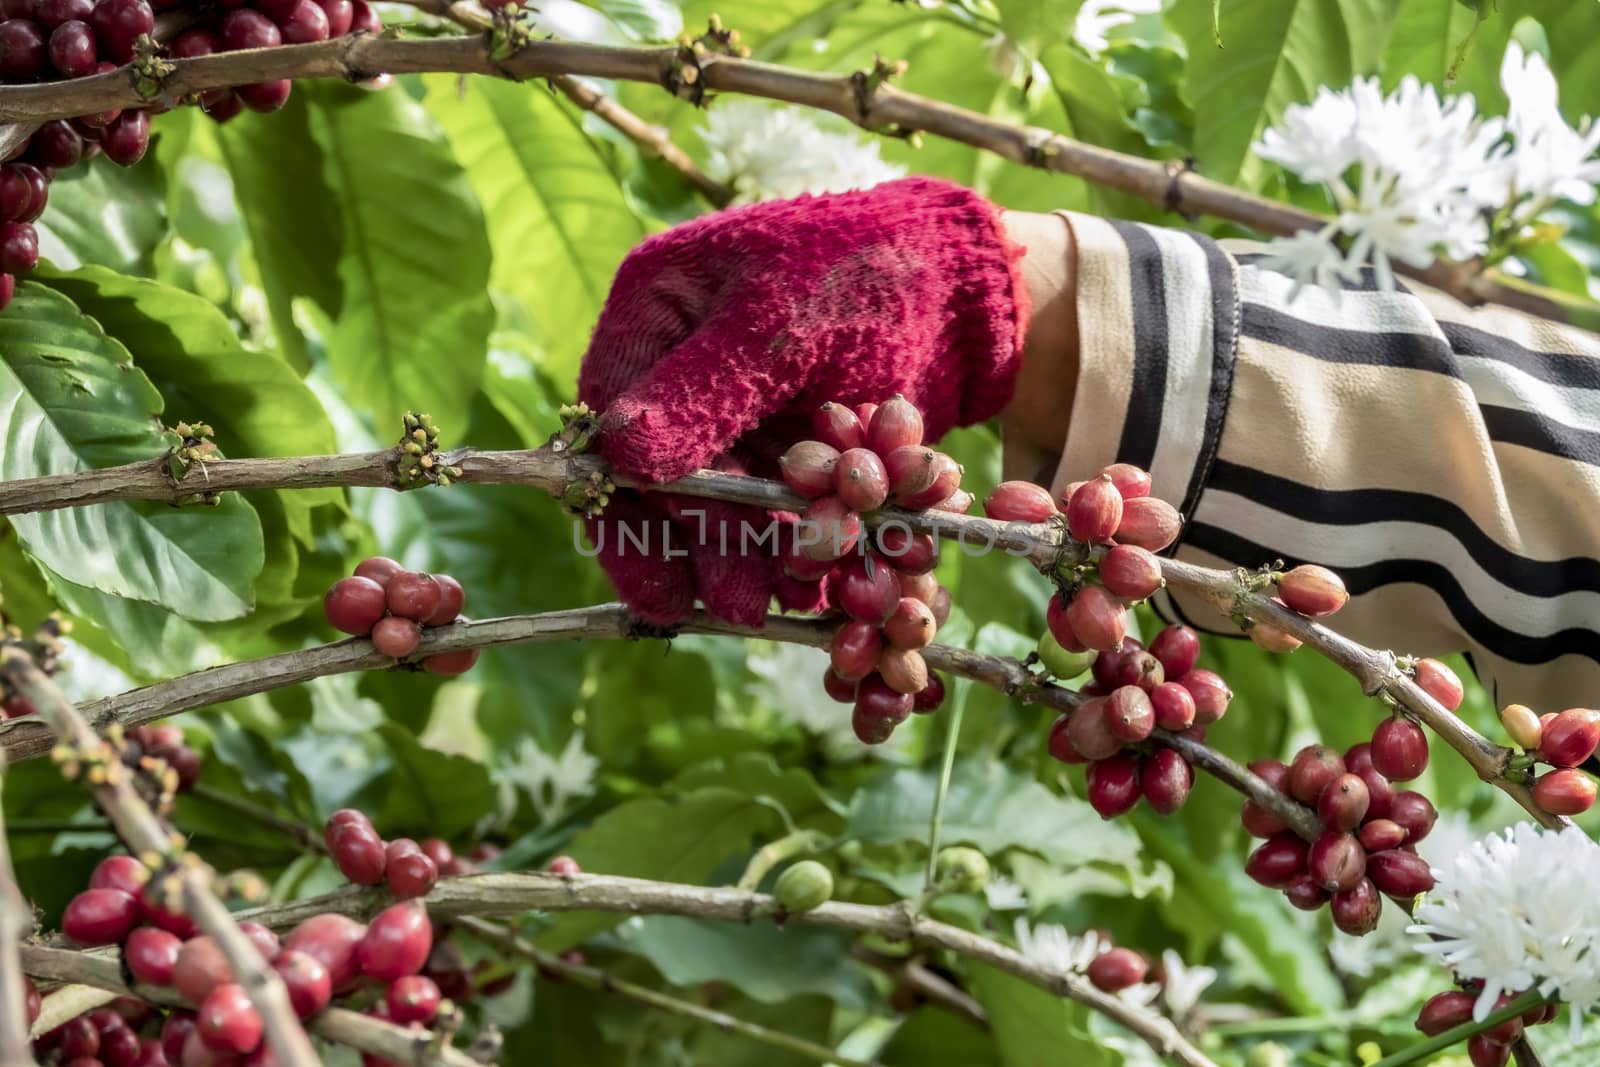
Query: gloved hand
(721,336)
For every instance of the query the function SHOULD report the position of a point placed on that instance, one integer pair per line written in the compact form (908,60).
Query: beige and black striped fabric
(1445,460)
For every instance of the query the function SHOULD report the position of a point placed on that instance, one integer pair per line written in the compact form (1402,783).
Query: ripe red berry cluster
(862,459)
(409,868)
(108,1035)
(1492,1048)
(1129,698)
(1370,829)
(1563,739)
(390,604)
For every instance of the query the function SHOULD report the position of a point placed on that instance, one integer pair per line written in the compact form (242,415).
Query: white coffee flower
(1002,894)
(1049,945)
(1184,983)
(1518,911)
(1551,160)
(551,784)
(1309,257)
(1096,17)
(772,153)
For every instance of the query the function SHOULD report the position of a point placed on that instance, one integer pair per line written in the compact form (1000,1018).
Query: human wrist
(1036,418)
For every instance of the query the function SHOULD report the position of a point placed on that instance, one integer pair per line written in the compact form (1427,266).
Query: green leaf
(106,214)
(681,840)
(1445,44)
(1277,53)
(291,212)
(431,792)
(757,774)
(71,401)
(936,1037)
(1033,1028)
(559,221)
(992,807)
(409,334)
(644,20)
(767,963)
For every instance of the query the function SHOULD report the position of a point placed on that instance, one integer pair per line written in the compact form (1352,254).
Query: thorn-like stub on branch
(1040,148)
(150,71)
(866,83)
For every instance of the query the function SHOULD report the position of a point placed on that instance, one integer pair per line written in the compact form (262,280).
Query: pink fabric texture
(722,335)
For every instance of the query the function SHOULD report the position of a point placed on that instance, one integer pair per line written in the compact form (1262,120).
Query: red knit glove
(721,336)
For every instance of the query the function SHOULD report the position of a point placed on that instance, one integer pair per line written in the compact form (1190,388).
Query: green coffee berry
(962,870)
(803,886)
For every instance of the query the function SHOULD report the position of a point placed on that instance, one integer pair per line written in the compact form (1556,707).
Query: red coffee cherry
(1380,835)
(855,650)
(1117,969)
(1401,875)
(1166,779)
(32,1003)
(265,941)
(860,479)
(120,872)
(1356,911)
(1173,705)
(1148,522)
(1114,784)
(1486,1053)
(118,24)
(1337,861)
(1380,792)
(1443,1011)
(452,598)
(829,529)
(378,568)
(1313,769)
(451,663)
(1399,749)
(1090,732)
(119,1047)
(1060,627)
(903,670)
(1097,618)
(397,943)
(358,852)
(331,940)
(563,865)
(1130,714)
(878,710)
(228,1022)
(911,625)
(1019,502)
(946,480)
(307,981)
(1178,649)
(412,999)
(867,589)
(410,873)
(930,697)
(912,470)
(1312,590)
(838,687)
(1564,792)
(1304,892)
(395,636)
(1507,1032)
(909,553)
(126,136)
(1059,743)
(1211,694)
(1415,814)
(808,467)
(305,23)
(1278,860)
(151,955)
(77,1037)
(1343,803)
(1095,511)
(100,916)
(354,605)
(412,594)
(895,424)
(1131,482)
(1131,572)
(174,1032)
(200,968)
(1570,737)
(1439,682)
(153,904)
(837,426)
(1137,668)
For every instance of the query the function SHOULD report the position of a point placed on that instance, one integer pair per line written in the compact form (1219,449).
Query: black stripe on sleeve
(1141,424)
(1576,370)
(1532,430)
(1503,642)
(1224,349)
(1355,507)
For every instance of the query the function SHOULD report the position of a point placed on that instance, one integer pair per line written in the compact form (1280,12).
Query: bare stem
(142,831)
(16,923)
(870,102)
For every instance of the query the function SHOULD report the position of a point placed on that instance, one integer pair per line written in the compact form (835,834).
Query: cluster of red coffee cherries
(1564,740)
(1370,829)
(392,605)
(1492,1048)
(860,460)
(409,868)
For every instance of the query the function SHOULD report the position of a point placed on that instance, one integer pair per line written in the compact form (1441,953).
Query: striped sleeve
(1445,460)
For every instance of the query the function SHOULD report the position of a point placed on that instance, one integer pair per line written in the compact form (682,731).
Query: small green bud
(803,886)
(1267,1054)
(1058,661)
(962,870)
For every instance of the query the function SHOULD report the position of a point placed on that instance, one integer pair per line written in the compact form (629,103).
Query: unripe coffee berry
(802,886)
(1095,511)
(836,425)
(1058,661)
(1148,522)
(1522,726)
(911,625)
(1399,749)
(1019,502)
(1097,618)
(860,479)
(1271,638)
(961,869)
(1439,682)
(1570,738)
(903,670)
(1131,572)
(1117,969)
(895,424)
(1114,784)
(808,468)
(1312,590)
(565,866)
